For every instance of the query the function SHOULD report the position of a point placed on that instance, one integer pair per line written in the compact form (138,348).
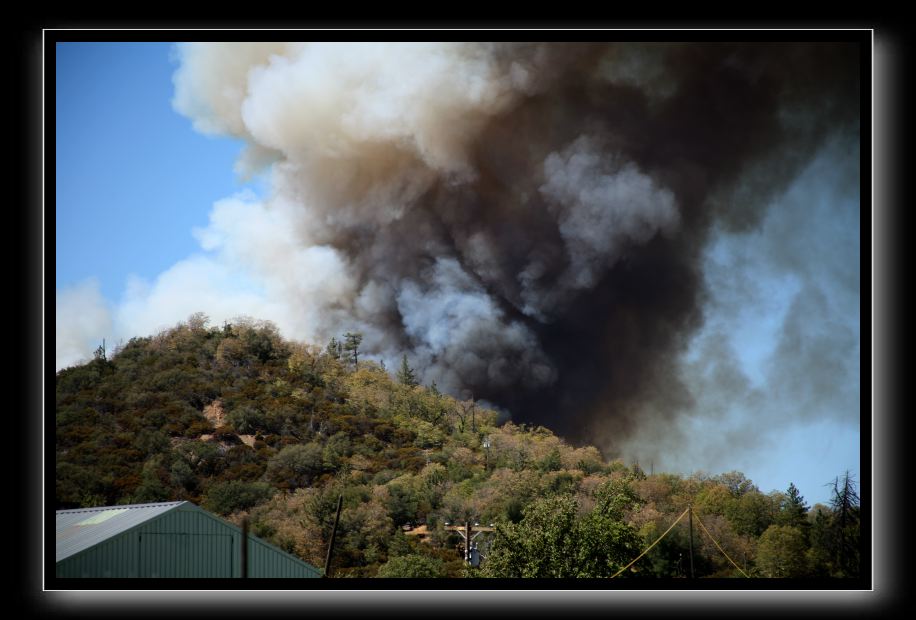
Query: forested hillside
(242,422)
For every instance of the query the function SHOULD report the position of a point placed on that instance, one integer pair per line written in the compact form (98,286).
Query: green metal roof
(81,528)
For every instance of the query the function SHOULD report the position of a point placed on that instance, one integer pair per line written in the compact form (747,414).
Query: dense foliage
(244,423)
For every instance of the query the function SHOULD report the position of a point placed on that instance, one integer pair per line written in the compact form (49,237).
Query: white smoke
(450,319)
(82,320)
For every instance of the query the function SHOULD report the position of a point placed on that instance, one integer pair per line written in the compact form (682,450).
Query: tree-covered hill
(245,423)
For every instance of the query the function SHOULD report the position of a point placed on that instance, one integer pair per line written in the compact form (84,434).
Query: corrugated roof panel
(81,528)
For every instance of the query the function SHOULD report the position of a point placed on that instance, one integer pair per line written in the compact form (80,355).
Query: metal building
(171,539)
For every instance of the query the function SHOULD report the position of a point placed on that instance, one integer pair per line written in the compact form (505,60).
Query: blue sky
(143,203)
(132,177)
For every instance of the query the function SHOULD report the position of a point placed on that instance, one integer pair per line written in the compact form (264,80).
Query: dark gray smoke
(526,221)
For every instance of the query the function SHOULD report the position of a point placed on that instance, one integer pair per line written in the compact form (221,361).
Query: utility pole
(327,561)
(690,522)
(469,532)
(244,558)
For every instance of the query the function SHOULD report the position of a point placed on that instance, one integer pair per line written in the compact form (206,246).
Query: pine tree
(793,510)
(351,346)
(100,352)
(406,375)
(845,526)
(333,348)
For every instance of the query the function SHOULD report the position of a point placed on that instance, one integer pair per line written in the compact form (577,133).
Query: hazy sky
(153,223)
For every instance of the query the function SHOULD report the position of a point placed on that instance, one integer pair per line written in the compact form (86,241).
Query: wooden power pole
(469,532)
(690,522)
(327,561)
(244,549)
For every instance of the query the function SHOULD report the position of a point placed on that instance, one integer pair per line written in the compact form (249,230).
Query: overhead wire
(714,541)
(720,548)
(652,545)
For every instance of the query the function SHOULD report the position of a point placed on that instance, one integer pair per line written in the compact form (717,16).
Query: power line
(690,520)
(721,549)
(652,545)
(689,512)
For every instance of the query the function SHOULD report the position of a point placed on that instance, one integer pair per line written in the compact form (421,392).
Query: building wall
(186,542)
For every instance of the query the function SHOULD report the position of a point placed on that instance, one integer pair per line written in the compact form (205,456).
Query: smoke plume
(529,223)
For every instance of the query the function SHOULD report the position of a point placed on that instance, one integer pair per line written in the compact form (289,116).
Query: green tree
(152,442)
(231,496)
(80,486)
(781,552)
(402,503)
(551,462)
(352,341)
(736,482)
(606,544)
(182,475)
(844,527)
(543,544)
(202,457)
(336,451)
(296,466)
(821,534)
(428,435)
(833,532)
(792,510)
(151,487)
(246,420)
(752,512)
(615,497)
(554,540)
(412,566)
(405,374)
(671,556)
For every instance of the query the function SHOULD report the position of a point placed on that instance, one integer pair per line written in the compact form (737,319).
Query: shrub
(412,566)
(246,420)
(296,465)
(228,497)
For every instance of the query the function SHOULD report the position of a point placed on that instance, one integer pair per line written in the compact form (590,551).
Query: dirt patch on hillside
(215,414)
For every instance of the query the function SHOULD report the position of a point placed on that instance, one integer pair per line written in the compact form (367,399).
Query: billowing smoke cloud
(530,223)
